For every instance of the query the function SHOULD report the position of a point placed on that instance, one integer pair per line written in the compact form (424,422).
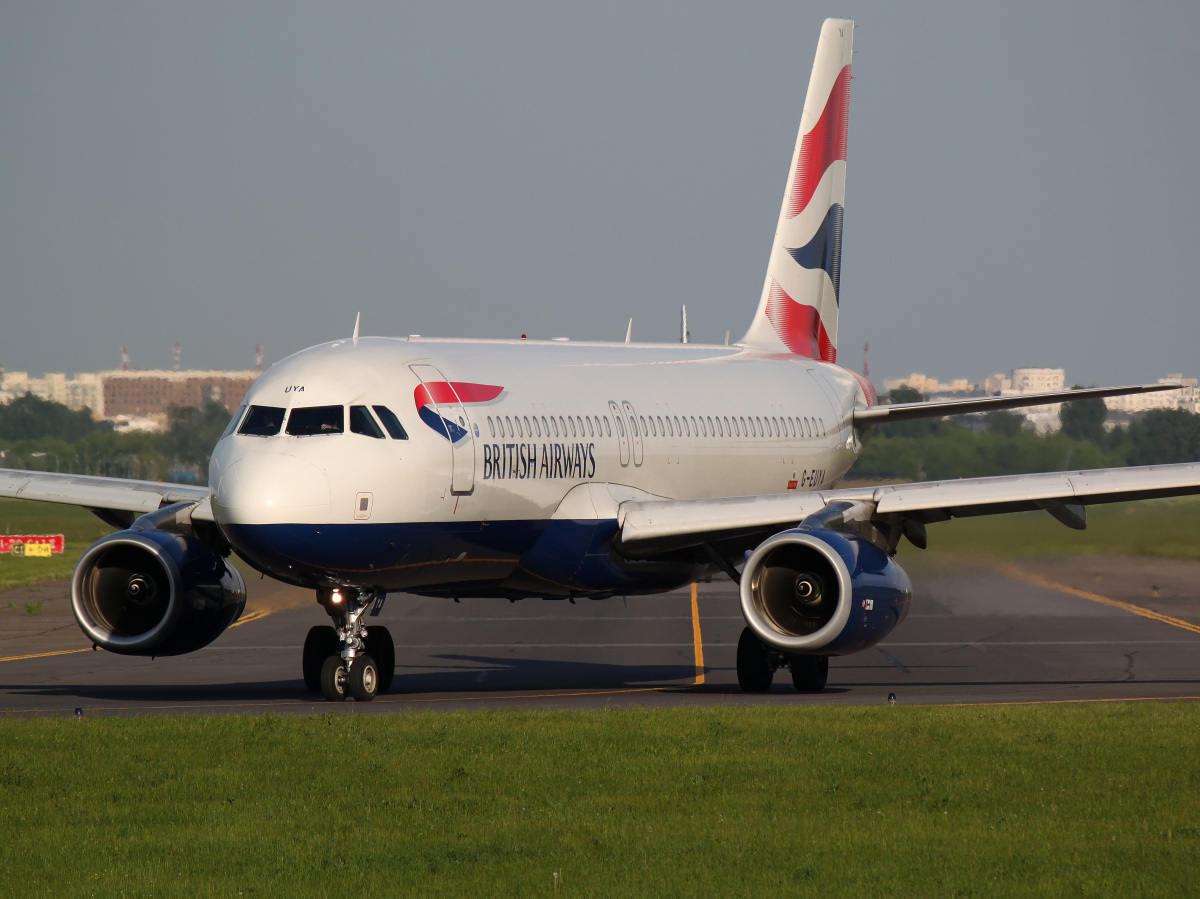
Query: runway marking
(42,655)
(1051,643)
(255,615)
(1038,581)
(318,703)
(697,640)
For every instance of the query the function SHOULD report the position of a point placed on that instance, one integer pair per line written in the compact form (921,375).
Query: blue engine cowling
(152,593)
(822,592)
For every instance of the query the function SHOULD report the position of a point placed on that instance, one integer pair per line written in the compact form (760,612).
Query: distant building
(125,395)
(924,384)
(82,391)
(1187,398)
(1037,380)
(147,393)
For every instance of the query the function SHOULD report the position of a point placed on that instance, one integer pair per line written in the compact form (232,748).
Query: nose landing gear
(348,659)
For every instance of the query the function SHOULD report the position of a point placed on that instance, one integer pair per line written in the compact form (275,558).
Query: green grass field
(1097,800)
(1166,528)
(80,527)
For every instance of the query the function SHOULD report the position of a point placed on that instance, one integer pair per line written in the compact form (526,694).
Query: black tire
(381,648)
(809,673)
(333,679)
(362,679)
(754,670)
(321,643)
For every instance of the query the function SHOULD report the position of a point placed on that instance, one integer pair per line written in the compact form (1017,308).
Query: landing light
(336,597)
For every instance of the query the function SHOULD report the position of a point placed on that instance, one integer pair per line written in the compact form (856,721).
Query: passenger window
(687,429)
(670,430)
(562,421)
(508,428)
(728,430)
(361,422)
(711,430)
(620,428)
(312,421)
(520,433)
(643,423)
(579,421)
(262,421)
(591,427)
(491,427)
(537,426)
(607,427)
(528,427)
(822,423)
(391,422)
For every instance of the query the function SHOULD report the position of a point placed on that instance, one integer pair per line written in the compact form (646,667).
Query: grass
(18,516)
(1165,528)
(767,801)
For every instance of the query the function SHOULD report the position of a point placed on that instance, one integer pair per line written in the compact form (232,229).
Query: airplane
(515,469)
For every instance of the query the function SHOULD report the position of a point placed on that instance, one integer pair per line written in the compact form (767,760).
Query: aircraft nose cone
(271,488)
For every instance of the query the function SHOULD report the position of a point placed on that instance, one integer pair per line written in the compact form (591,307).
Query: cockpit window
(262,421)
(361,422)
(310,421)
(233,422)
(391,422)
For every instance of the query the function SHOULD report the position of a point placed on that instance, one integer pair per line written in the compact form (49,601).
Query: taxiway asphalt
(1058,631)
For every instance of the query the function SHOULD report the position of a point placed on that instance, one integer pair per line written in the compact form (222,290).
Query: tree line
(41,435)
(937,449)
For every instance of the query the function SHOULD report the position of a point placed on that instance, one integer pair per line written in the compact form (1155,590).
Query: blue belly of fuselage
(511,559)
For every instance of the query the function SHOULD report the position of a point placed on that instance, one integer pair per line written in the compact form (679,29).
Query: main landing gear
(348,659)
(757,663)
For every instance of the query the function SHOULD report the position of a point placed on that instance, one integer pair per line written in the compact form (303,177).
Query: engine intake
(820,591)
(146,592)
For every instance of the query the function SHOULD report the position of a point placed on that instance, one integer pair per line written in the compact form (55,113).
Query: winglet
(357,319)
(629,332)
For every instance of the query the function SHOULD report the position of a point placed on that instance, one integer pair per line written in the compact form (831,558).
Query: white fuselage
(546,430)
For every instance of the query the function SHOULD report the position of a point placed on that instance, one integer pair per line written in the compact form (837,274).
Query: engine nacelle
(153,593)
(822,592)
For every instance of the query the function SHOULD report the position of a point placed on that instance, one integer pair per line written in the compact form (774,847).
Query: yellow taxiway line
(1038,581)
(697,640)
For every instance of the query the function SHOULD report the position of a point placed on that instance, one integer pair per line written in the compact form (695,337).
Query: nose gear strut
(347,659)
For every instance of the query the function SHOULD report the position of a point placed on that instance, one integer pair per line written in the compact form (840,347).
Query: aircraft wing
(655,526)
(118,501)
(909,411)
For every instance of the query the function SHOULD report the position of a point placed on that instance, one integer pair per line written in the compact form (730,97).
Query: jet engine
(154,593)
(822,592)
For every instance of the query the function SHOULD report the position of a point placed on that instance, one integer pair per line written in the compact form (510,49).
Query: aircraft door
(622,439)
(441,408)
(631,417)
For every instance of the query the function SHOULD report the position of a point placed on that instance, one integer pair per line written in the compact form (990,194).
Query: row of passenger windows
(579,426)
(310,421)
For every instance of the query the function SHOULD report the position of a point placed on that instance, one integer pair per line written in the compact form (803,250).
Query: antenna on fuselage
(629,332)
(357,319)
(684,336)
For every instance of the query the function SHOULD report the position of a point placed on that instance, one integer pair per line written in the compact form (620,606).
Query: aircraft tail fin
(798,309)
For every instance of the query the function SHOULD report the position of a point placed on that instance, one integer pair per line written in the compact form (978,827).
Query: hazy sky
(1023,184)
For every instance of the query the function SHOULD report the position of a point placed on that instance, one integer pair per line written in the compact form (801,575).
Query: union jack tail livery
(798,310)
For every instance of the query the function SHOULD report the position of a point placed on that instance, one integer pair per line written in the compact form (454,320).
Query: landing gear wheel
(363,678)
(333,679)
(754,669)
(809,673)
(381,648)
(321,643)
